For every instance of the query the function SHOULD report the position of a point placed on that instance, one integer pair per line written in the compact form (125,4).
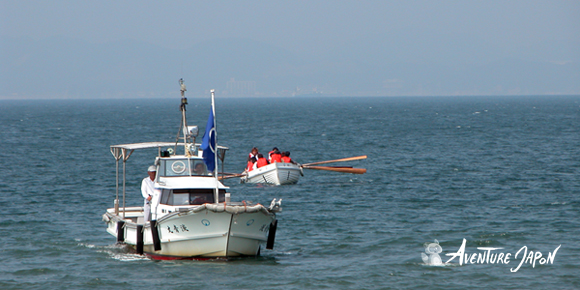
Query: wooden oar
(231,176)
(227,173)
(337,169)
(337,160)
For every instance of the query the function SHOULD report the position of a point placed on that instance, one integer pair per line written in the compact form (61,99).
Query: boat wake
(439,265)
(120,252)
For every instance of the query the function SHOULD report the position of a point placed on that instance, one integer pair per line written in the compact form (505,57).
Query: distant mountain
(66,67)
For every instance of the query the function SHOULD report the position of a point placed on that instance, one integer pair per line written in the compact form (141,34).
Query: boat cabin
(184,181)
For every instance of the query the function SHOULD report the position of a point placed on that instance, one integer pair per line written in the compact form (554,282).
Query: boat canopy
(125,150)
(146,145)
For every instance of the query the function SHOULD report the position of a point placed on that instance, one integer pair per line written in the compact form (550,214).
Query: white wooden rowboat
(278,173)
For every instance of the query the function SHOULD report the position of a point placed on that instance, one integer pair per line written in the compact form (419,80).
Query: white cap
(152,168)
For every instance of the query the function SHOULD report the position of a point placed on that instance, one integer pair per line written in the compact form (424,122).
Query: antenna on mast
(183,98)
(187,132)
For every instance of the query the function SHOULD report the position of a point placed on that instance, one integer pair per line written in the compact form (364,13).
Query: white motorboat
(279,173)
(192,217)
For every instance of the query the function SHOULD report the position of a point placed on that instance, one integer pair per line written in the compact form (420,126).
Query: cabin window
(165,196)
(182,167)
(190,196)
(180,198)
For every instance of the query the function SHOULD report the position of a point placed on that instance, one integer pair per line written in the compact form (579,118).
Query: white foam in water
(127,257)
(116,251)
(440,265)
(123,253)
(87,245)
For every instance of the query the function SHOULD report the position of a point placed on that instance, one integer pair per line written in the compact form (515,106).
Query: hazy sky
(297,25)
(422,31)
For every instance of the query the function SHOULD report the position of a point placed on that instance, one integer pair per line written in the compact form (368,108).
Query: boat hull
(275,173)
(199,234)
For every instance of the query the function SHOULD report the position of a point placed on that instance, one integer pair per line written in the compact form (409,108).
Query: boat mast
(183,118)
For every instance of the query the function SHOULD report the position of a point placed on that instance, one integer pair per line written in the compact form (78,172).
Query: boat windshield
(190,196)
(182,167)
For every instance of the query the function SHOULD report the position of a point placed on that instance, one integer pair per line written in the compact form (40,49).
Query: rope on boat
(236,209)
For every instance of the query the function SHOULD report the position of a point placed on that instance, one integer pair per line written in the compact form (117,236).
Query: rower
(250,166)
(261,161)
(254,153)
(271,152)
(286,157)
(275,156)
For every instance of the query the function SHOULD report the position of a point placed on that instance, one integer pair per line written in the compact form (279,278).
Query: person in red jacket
(250,166)
(254,153)
(270,153)
(286,157)
(261,161)
(275,156)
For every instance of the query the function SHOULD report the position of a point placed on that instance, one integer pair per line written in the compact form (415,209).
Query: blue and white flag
(208,144)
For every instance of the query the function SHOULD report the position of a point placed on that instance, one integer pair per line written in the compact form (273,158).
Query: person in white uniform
(149,191)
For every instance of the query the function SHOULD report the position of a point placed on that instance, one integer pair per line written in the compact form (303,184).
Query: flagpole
(215,174)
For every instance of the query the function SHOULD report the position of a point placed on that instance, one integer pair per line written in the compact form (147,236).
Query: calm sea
(499,172)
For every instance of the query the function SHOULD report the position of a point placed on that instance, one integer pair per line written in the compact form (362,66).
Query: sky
(331,47)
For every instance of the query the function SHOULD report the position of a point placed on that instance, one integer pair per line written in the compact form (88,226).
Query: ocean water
(499,172)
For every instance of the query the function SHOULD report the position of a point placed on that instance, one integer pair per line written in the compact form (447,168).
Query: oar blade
(338,169)
(337,160)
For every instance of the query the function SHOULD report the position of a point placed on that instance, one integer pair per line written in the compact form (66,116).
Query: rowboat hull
(275,173)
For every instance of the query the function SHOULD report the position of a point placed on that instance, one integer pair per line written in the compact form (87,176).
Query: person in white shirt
(149,191)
